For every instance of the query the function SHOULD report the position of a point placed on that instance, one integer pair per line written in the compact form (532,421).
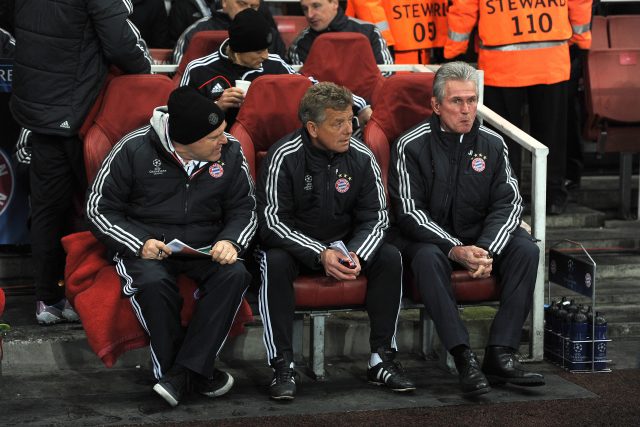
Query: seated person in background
(327,16)
(457,204)
(319,185)
(221,20)
(180,178)
(243,56)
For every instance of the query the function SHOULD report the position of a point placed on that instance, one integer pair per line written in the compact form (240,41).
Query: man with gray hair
(319,186)
(457,205)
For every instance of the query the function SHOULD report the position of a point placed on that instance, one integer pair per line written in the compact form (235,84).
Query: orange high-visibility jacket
(373,12)
(522,42)
(414,24)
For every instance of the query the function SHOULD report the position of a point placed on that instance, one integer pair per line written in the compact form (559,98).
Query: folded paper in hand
(339,246)
(180,248)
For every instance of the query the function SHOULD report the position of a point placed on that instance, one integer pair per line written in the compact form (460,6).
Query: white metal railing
(538,194)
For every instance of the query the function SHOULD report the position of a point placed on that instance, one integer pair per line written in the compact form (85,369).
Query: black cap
(192,115)
(249,32)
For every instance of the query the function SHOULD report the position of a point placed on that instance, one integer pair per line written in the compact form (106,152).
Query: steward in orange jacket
(414,26)
(524,52)
(522,42)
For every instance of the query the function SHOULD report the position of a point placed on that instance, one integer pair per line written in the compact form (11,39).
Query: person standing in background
(524,52)
(63,53)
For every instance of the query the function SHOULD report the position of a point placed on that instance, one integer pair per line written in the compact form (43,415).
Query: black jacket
(221,21)
(308,198)
(142,192)
(301,46)
(184,13)
(451,191)
(63,51)
(150,17)
(214,73)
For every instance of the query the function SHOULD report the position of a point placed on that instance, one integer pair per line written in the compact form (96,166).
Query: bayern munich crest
(216,170)
(477,163)
(342,185)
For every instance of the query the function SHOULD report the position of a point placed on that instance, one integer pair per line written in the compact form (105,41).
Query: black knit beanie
(249,32)
(192,116)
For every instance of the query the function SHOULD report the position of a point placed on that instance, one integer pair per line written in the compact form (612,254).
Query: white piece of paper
(180,248)
(339,246)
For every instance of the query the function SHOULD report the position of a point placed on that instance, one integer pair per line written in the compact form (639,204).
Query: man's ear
(311,128)
(435,105)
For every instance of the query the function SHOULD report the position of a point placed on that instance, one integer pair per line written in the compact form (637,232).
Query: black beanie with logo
(192,116)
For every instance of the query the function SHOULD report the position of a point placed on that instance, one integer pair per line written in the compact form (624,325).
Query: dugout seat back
(269,112)
(127,104)
(345,59)
(202,43)
(404,100)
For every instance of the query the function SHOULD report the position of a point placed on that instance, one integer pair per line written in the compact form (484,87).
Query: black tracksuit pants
(277,298)
(156,301)
(515,269)
(547,122)
(56,175)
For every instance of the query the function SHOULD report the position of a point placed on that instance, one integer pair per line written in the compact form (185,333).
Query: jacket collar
(337,24)
(450,137)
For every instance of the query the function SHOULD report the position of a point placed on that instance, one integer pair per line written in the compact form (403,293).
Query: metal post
(538,219)
(317,345)
(626,170)
(298,339)
(427,333)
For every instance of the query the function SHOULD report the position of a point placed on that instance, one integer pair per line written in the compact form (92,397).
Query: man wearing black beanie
(243,56)
(182,178)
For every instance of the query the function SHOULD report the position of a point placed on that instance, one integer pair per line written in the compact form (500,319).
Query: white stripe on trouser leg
(157,369)
(394,344)
(231,325)
(263,306)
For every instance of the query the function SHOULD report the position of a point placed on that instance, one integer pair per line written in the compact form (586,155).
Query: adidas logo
(65,125)
(217,88)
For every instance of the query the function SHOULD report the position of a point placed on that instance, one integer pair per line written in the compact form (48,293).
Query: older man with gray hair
(457,205)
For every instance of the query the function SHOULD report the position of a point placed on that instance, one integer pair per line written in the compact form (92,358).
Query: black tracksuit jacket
(451,189)
(308,198)
(142,191)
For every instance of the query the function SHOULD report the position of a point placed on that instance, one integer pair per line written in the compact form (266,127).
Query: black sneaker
(172,385)
(389,373)
(283,384)
(219,384)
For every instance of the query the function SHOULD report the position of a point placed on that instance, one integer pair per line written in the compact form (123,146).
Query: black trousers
(57,174)
(515,269)
(156,301)
(548,124)
(277,298)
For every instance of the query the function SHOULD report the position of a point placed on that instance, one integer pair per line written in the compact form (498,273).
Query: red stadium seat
(92,284)
(624,31)
(289,26)
(599,33)
(269,112)
(202,44)
(345,59)
(140,94)
(612,91)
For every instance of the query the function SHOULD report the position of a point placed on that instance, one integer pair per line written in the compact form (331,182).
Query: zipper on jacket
(186,198)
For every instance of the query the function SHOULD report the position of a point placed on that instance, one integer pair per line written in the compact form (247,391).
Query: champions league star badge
(478,162)
(216,170)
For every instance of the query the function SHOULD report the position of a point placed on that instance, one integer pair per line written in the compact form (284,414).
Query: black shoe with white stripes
(283,384)
(389,373)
